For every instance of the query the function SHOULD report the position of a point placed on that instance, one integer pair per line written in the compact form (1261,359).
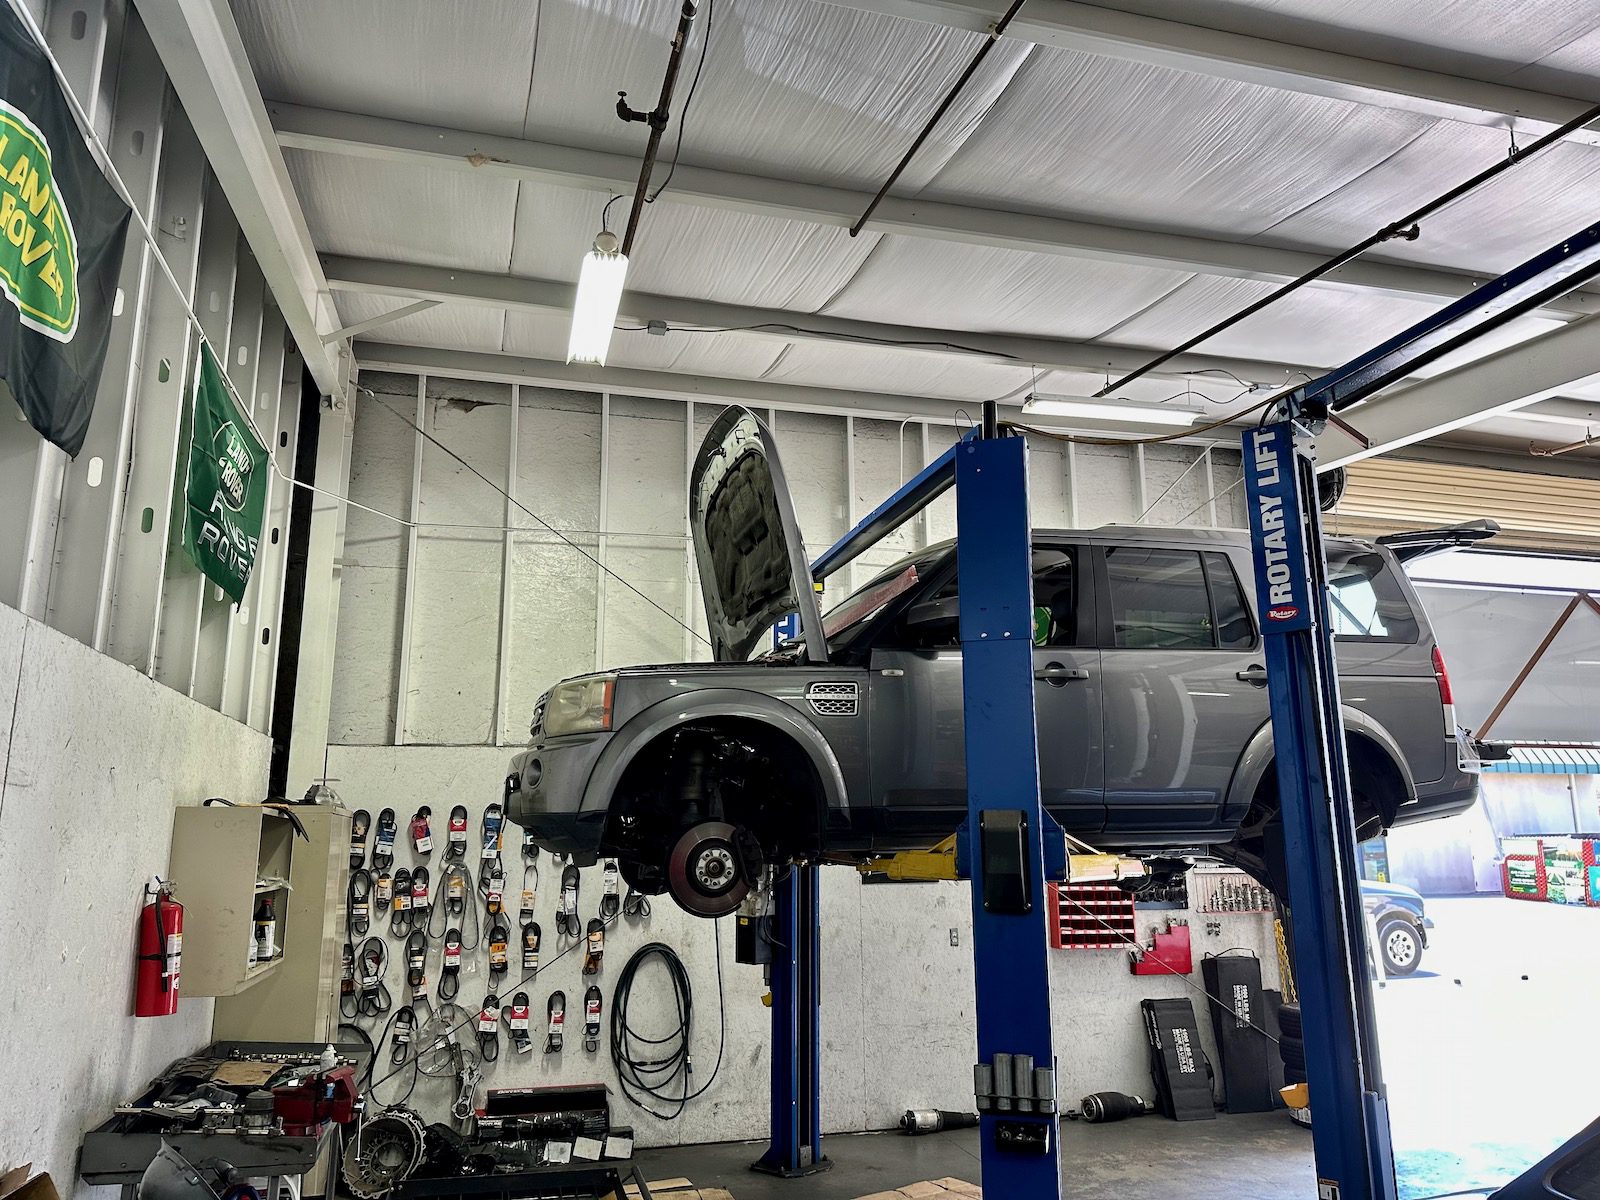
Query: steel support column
(1354,1158)
(1007,827)
(795,1148)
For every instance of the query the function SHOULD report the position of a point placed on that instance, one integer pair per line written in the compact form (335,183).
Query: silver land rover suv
(1154,735)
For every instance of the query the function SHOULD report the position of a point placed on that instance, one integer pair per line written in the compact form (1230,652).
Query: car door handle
(1254,673)
(1057,675)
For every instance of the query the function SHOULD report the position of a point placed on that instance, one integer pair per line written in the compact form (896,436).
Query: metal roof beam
(1223,54)
(204,56)
(1511,379)
(410,281)
(441,148)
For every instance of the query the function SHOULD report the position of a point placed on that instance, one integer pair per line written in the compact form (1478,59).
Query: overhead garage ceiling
(1110,182)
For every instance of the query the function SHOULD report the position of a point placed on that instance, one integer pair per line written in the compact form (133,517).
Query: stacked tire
(1292,1050)
(1291,1044)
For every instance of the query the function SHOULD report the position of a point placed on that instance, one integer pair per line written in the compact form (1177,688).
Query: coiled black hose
(661,1070)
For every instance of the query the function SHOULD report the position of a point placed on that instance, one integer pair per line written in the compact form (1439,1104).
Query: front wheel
(1401,947)
(705,871)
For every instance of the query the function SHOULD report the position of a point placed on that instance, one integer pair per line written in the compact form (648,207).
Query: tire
(705,872)
(1293,1053)
(648,879)
(1294,1075)
(1401,947)
(1289,1022)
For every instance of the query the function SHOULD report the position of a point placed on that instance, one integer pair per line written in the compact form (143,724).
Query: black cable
(606,212)
(825,333)
(683,117)
(639,1076)
(998,28)
(1406,228)
(561,537)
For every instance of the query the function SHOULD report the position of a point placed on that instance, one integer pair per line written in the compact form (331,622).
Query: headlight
(580,706)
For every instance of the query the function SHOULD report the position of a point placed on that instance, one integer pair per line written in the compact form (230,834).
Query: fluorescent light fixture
(1132,411)
(594,314)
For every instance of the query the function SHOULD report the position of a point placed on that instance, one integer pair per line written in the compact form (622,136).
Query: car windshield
(841,622)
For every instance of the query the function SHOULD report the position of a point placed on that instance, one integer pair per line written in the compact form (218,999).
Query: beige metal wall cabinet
(299,1000)
(224,860)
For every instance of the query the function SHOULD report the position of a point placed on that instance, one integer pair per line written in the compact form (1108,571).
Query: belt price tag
(420,989)
(488,1020)
(452,956)
(402,901)
(497,954)
(419,895)
(456,888)
(384,889)
(519,1017)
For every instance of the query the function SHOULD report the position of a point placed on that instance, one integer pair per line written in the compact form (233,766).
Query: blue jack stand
(796,1145)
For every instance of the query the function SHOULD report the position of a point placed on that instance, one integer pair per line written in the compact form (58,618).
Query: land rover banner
(61,233)
(226,492)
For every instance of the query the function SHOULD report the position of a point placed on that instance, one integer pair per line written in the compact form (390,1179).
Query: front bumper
(545,793)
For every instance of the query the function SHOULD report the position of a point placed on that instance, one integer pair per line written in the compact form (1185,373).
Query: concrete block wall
(94,758)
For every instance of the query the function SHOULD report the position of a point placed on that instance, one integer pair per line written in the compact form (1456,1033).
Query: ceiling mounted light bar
(1132,412)
(594,314)
(605,267)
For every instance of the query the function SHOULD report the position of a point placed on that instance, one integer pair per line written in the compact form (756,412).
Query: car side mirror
(939,615)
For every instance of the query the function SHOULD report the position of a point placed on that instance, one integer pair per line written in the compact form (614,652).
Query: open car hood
(747,544)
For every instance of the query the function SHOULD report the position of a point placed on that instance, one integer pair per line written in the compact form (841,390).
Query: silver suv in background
(1154,733)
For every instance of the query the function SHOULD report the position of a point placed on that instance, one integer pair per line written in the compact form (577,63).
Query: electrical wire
(784,327)
(683,117)
(639,1076)
(563,538)
(1407,228)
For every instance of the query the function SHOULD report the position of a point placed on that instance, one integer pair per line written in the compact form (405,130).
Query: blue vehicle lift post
(1008,846)
(1354,1158)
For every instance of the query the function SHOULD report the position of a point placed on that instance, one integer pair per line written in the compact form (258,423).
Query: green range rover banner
(226,492)
(62,228)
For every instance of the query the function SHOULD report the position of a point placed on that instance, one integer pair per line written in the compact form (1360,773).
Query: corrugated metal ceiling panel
(792,88)
(910,281)
(544,335)
(373,209)
(462,65)
(1501,224)
(1493,37)
(682,250)
(1079,134)
(1316,325)
(458,326)
(901,372)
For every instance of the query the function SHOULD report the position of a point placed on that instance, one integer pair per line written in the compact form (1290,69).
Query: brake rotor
(705,870)
(384,1153)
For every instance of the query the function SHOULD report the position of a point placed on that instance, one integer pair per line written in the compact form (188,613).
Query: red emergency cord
(155,992)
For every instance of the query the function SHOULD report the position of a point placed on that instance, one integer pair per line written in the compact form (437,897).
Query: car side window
(1055,598)
(1235,630)
(1365,602)
(1160,599)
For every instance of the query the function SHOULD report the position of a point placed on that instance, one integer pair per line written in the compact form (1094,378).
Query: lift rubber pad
(1237,1017)
(1178,1065)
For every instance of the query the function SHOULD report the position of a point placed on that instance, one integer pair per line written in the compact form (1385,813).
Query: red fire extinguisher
(160,950)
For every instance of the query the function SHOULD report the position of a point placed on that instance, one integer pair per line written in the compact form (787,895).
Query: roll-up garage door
(1551,513)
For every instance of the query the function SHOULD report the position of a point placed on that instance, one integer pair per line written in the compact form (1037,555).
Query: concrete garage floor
(1149,1159)
(1484,1051)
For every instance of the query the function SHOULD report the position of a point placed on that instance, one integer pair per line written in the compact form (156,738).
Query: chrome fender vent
(833,699)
